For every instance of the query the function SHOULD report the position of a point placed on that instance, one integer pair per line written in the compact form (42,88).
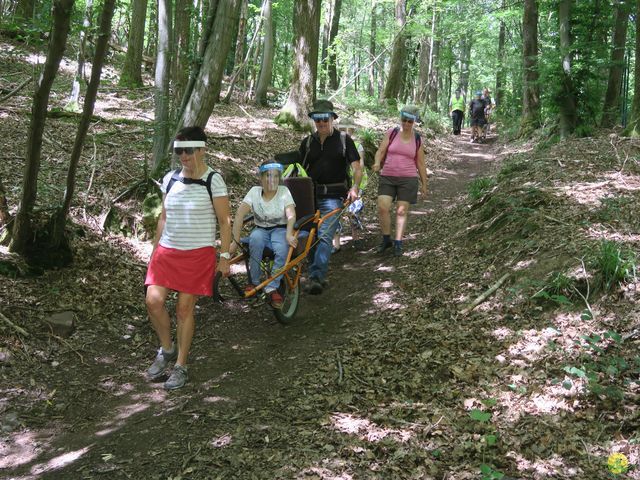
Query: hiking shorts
(401,189)
(477,122)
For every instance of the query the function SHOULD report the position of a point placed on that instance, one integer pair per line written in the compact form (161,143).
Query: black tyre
(291,297)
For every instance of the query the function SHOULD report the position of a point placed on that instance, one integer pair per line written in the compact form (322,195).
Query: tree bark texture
(324,48)
(206,89)
(22,233)
(131,75)
(423,70)
(74,98)
(567,97)
(371,88)
(102,44)
(332,57)
(241,37)
(616,68)
(531,89)
(182,41)
(161,86)
(268,53)
(633,128)
(394,80)
(305,61)
(433,77)
(501,73)
(465,59)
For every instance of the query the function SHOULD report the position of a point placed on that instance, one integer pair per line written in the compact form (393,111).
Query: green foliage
(559,289)
(480,416)
(488,473)
(613,263)
(612,208)
(479,187)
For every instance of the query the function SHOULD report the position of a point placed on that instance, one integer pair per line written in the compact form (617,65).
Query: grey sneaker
(177,379)
(159,365)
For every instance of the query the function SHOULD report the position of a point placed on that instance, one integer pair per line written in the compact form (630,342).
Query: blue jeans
(276,240)
(320,265)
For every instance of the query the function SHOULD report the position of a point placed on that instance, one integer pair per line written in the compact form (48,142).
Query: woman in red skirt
(184,257)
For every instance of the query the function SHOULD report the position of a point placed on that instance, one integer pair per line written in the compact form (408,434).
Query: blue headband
(409,115)
(270,166)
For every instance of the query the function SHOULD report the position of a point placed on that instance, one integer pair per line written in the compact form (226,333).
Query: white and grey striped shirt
(191,221)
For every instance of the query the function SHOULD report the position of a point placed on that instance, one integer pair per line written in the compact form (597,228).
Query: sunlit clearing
(60,461)
(600,232)
(415,254)
(367,430)
(476,154)
(386,284)
(324,474)
(385,268)
(553,467)
(524,264)
(215,399)
(533,343)
(18,449)
(592,193)
(385,301)
(221,441)
(502,333)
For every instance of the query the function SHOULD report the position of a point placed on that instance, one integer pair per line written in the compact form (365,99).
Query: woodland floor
(382,376)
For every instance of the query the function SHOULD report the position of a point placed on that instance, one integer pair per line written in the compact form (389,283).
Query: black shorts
(401,189)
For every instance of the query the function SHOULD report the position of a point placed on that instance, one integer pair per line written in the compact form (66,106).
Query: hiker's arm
(223,213)
(162,219)
(422,170)
(357,178)
(290,212)
(243,210)
(380,153)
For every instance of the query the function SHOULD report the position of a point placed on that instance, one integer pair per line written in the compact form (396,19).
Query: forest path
(241,357)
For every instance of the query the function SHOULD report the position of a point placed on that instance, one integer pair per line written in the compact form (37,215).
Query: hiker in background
(274,214)
(400,161)
(456,110)
(476,112)
(347,125)
(184,256)
(489,106)
(326,156)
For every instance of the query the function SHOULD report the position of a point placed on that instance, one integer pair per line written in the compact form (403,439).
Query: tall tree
(59,219)
(501,73)
(394,79)
(74,97)
(371,87)
(633,128)
(206,88)
(434,52)
(161,86)
(332,67)
(530,88)
(182,57)
(465,60)
(22,229)
(241,37)
(567,96)
(305,61)
(612,97)
(268,52)
(423,69)
(131,75)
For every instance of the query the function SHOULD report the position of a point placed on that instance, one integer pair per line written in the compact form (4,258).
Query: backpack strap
(175,177)
(418,146)
(392,135)
(305,165)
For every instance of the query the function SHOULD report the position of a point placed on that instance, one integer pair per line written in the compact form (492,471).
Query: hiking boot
(397,250)
(159,365)
(276,299)
(383,246)
(177,379)
(314,287)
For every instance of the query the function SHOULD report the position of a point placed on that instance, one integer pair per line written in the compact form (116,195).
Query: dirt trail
(240,357)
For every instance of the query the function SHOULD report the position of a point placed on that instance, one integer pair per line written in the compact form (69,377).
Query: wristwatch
(225,255)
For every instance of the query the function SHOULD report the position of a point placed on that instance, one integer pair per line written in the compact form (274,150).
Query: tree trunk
(531,90)
(612,97)
(59,219)
(303,82)
(333,33)
(241,37)
(25,10)
(394,80)
(161,86)
(5,216)
(465,59)
(131,75)
(74,98)
(423,70)
(433,47)
(371,88)
(206,89)
(22,230)
(567,97)
(501,73)
(633,128)
(326,29)
(433,77)
(268,52)
(183,54)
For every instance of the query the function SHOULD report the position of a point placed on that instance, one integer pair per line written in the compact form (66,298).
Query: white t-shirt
(269,213)
(191,220)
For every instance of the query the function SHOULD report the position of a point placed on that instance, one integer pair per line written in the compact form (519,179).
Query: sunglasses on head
(180,150)
(321,117)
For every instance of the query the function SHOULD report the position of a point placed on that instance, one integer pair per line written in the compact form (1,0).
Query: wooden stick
(485,295)
(18,329)
(15,90)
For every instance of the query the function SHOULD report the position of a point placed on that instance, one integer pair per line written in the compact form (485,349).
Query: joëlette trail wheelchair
(306,228)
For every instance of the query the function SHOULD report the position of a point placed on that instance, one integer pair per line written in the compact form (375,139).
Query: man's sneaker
(177,379)
(314,287)
(276,299)
(397,250)
(383,246)
(159,365)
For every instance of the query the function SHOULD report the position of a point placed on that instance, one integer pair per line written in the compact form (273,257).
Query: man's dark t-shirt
(326,163)
(477,109)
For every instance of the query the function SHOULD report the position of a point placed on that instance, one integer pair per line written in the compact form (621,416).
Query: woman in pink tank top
(400,161)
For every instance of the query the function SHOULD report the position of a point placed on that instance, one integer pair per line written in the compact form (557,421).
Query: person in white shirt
(184,256)
(274,215)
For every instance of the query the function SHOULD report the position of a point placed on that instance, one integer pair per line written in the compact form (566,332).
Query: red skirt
(186,271)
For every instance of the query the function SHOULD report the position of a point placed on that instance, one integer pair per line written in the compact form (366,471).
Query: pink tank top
(400,161)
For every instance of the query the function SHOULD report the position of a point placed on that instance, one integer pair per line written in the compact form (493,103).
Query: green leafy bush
(614,264)
(480,186)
